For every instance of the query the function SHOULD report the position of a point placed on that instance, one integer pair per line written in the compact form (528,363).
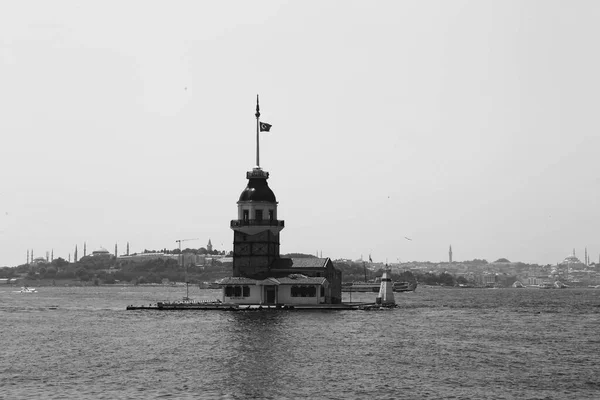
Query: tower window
(246,215)
(258,214)
(271,216)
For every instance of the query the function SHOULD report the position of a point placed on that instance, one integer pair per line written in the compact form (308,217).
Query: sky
(463,123)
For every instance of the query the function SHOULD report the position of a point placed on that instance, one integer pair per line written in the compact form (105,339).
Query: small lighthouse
(386,290)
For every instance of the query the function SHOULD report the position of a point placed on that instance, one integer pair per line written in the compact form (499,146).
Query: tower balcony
(240,223)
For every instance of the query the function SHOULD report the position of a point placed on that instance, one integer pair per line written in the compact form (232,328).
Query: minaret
(84,249)
(47,256)
(69,258)
(127,248)
(256,230)
(116,255)
(27,256)
(52,256)
(450,255)
(75,255)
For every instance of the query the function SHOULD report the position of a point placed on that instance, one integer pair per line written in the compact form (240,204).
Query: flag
(370,260)
(264,127)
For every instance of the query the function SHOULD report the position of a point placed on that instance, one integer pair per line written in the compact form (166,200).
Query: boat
(26,289)
(361,287)
(405,286)
(209,285)
(374,287)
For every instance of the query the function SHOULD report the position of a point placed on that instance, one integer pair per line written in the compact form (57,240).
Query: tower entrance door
(270,294)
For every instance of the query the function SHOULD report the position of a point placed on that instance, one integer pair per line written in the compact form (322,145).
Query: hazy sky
(464,123)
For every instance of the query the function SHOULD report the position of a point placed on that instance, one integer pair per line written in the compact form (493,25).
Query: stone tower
(256,229)
(450,255)
(209,246)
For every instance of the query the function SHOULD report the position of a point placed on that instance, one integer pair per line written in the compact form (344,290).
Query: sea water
(80,342)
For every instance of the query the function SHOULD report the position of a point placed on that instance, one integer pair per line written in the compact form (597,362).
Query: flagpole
(257,133)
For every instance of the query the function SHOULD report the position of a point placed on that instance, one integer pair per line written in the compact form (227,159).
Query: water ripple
(456,344)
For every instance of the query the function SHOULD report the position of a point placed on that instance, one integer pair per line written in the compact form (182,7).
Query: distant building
(571,263)
(142,257)
(39,260)
(101,253)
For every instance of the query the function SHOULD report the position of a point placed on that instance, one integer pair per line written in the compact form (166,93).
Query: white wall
(257,205)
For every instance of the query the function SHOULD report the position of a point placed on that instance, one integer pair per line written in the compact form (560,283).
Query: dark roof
(232,280)
(302,281)
(258,190)
(311,262)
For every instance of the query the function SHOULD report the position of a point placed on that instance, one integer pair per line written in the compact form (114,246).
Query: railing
(237,223)
(257,173)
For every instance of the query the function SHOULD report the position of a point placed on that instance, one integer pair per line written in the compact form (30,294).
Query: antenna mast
(257,132)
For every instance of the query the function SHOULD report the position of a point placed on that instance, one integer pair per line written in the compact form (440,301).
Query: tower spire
(257,133)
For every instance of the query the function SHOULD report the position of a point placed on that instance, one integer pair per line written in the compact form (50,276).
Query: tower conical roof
(258,189)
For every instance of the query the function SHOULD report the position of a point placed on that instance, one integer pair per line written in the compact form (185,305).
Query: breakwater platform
(189,305)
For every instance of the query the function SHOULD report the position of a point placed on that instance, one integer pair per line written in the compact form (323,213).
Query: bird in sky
(407,238)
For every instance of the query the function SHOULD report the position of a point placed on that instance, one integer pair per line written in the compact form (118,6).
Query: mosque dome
(100,252)
(571,259)
(258,190)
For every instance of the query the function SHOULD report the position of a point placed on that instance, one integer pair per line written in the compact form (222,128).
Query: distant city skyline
(470,124)
(586,260)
